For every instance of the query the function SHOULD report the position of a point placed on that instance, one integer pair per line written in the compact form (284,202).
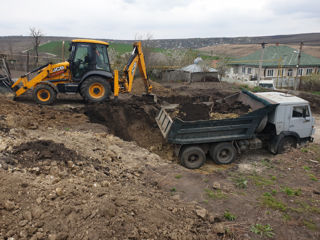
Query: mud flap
(274,144)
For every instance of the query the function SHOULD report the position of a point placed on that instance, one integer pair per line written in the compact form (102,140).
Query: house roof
(273,55)
(197,67)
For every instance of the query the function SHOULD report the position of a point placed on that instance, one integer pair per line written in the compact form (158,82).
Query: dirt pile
(210,111)
(139,88)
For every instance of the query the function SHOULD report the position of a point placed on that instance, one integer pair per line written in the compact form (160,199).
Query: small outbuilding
(196,72)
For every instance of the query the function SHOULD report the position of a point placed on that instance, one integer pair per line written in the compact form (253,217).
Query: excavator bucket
(5,77)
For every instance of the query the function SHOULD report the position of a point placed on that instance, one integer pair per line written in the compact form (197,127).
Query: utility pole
(260,63)
(62,51)
(298,65)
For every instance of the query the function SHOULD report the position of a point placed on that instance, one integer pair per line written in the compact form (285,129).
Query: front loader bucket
(5,84)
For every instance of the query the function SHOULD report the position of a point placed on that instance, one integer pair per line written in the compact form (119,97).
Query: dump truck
(87,71)
(278,121)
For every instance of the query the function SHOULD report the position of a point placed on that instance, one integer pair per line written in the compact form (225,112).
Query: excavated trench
(134,119)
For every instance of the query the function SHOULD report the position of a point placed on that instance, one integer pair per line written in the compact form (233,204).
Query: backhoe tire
(95,89)
(44,94)
(192,157)
(223,153)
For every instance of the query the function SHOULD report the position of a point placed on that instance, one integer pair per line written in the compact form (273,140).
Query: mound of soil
(200,111)
(193,112)
(30,153)
(45,156)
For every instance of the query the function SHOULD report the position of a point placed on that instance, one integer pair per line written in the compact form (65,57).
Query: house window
(300,71)
(309,71)
(280,72)
(269,72)
(290,72)
(243,69)
(249,70)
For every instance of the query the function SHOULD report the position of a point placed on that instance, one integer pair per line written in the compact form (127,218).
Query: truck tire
(192,157)
(44,94)
(95,89)
(286,143)
(223,153)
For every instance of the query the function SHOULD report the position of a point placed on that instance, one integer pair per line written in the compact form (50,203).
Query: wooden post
(260,63)
(62,51)
(298,65)
(27,61)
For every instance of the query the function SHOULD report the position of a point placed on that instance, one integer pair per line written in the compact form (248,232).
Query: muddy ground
(103,171)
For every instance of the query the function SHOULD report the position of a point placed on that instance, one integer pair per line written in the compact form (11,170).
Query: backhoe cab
(87,72)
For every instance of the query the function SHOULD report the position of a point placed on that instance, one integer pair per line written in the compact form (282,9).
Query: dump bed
(177,131)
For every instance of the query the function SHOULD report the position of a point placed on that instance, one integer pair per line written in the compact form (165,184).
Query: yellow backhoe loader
(87,72)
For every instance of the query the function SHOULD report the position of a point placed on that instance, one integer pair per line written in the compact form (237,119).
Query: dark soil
(132,120)
(200,111)
(193,112)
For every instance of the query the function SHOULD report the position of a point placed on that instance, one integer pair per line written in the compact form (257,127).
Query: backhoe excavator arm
(124,84)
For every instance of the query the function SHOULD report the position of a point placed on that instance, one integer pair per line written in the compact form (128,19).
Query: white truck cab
(292,118)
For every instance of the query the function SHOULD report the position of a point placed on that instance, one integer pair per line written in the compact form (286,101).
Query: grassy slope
(55,47)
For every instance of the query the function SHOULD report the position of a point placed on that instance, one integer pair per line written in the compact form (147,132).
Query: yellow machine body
(83,74)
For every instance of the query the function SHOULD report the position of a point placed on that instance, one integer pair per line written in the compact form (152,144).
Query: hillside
(20,43)
(241,50)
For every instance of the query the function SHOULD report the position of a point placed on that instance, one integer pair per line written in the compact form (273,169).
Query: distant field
(55,47)
(240,50)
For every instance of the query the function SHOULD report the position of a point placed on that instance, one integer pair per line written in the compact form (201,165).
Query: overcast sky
(125,19)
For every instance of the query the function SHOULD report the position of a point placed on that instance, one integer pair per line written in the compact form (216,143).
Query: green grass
(310,225)
(178,176)
(121,48)
(55,47)
(216,194)
(273,203)
(241,182)
(261,181)
(229,216)
(316,93)
(262,230)
(173,189)
(306,168)
(291,192)
(313,177)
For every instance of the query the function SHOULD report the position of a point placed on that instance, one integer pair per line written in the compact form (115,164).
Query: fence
(25,62)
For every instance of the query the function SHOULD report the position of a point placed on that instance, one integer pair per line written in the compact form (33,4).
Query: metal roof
(287,56)
(197,67)
(90,41)
(281,98)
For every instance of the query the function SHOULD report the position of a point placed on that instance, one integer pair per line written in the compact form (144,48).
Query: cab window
(299,111)
(102,60)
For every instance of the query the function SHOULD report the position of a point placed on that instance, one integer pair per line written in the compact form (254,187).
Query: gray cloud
(124,19)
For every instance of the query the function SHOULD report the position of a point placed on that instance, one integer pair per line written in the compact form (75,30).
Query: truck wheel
(223,153)
(44,94)
(95,89)
(286,143)
(192,157)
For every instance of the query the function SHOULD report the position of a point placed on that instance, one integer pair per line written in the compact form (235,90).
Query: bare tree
(222,67)
(37,35)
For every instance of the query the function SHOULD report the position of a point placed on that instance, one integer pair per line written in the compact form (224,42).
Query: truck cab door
(301,121)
